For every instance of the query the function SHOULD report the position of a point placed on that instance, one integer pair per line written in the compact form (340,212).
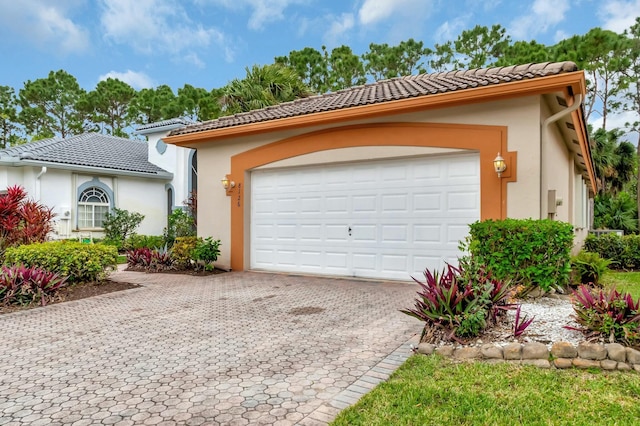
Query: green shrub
(136,241)
(181,224)
(622,250)
(80,262)
(609,246)
(459,302)
(588,267)
(119,225)
(207,252)
(527,252)
(182,252)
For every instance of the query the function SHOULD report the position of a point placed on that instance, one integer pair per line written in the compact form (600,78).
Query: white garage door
(381,219)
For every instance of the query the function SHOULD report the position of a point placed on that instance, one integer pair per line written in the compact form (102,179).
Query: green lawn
(434,391)
(624,282)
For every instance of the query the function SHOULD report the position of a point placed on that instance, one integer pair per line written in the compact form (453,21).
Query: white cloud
(619,15)
(450,30)
(374,11)
(340,25)
(617,121)
(46,24)
(543,15)
(262,11)
(156,26)
(137,80)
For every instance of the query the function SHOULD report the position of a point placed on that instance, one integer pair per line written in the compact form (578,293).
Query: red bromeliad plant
(21,285)
(609,314)
(458,303)
(22,221)
(520,324)
(150,259)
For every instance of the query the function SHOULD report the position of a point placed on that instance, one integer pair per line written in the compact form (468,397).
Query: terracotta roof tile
(385,91)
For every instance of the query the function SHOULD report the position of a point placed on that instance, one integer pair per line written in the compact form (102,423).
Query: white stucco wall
(175,160)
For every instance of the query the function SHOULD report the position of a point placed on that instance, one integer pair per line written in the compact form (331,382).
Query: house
(382,180)
(83,177)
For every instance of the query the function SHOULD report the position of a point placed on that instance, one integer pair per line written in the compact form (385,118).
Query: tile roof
(88,150)
(166,123)
(387,90)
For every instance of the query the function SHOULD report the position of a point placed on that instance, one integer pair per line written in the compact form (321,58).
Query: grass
(429,390)
(624,282)
(121,259)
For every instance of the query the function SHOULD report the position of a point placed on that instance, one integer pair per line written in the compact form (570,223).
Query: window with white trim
(93,206)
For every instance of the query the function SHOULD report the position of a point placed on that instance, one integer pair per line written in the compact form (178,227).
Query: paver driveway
(236,348)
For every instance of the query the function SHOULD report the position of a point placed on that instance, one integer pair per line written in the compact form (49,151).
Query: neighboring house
(382,180)
(85,176)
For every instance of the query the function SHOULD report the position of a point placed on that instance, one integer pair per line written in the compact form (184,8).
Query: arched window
(93,206)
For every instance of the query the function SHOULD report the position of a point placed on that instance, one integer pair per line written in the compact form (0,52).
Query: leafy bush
(119,224)
(588,267)
(181,224)
(207,252)
(21,285)
(454,307)
(79,262)
(150,259)
(526,251)
(22,221)
(182,252)
(607,313)
(136,241)
(623,251)
(609,246)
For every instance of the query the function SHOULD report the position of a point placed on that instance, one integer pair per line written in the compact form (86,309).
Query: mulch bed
(77,292)
(84,290)
(192,272)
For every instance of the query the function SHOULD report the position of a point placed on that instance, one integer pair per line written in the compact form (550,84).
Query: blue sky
(206,43)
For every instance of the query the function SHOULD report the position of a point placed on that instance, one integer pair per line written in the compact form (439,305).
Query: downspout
(38,183)
(577,101)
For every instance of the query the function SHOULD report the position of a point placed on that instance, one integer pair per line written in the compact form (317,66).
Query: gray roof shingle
(165,123)
(88,150)
(387,90)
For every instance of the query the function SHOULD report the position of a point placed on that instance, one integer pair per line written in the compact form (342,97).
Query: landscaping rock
(426,348)
(535,351)
(470,352)
(616,352)
(564,350)
(540,363)
(608,364)
(585,363)
(445,351)
(563,362)
(591,351)
(535,293)
(623,366)
(636,367)
(490,351)
(493,361)
(512,351)
(633,356)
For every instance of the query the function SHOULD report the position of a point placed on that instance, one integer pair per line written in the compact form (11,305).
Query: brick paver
(236,348)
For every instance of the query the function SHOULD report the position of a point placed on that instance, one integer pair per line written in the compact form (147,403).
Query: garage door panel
(405,215)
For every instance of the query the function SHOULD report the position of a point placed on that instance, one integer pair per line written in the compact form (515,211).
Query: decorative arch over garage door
(487,140)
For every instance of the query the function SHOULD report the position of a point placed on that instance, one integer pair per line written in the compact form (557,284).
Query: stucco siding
(146,197)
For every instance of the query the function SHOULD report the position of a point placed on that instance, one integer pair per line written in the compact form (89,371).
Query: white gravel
(551,316)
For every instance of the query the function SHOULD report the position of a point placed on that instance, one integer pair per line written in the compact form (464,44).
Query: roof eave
(90,169)
(159,129)
(574,81)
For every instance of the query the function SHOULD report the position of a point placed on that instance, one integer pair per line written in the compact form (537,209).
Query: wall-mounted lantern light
(499,165)
(228,184)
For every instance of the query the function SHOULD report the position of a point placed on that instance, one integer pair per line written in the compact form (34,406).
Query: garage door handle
(349,231)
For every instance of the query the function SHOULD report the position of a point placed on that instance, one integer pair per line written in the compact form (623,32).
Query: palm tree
(262,87)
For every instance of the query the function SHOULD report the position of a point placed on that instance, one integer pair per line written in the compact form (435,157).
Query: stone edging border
(610,356)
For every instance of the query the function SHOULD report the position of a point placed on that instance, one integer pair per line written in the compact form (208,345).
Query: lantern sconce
(228,184)
(499,165)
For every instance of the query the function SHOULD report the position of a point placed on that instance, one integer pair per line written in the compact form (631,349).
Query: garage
(386,219)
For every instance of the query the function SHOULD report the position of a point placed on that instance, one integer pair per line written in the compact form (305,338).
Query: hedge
(622,250)
(79,262)
(526,251)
